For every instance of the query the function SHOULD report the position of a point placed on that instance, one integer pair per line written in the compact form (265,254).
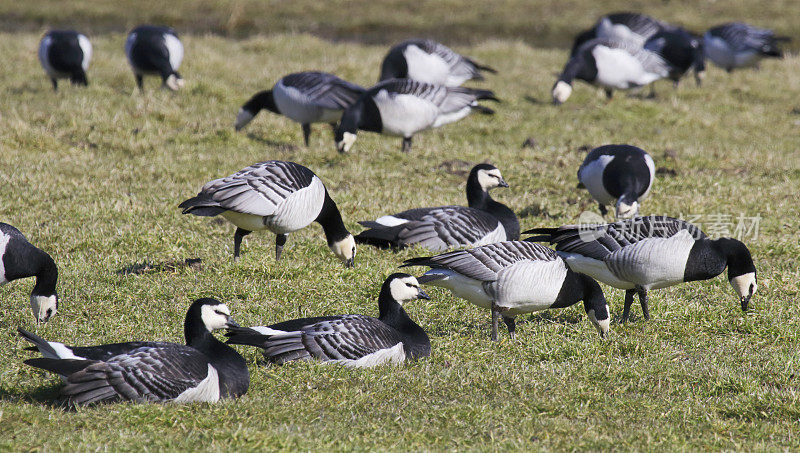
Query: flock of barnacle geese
(491,267)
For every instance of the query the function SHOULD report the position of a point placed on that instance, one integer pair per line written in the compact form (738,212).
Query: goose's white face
(489,179)
(345,250)
(174,82)
(561,92)
(244,117)
(216,316)
(602,325)
(406,289)
(745,286)
(348,138)
(44,307)
(627,211)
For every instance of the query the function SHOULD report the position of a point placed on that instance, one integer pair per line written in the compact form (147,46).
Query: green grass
(94,177)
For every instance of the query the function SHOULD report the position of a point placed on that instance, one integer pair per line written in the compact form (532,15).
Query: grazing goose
(155,50)
(65,54)
(426,60)
(681,51)
(437,229)
(21,259)
(204,370)
(279,196)
(403,107)
(632,28)
(512,278)
(611,65)
(304,97)
(738,45)
(618,173)
(653,252)
(352,340)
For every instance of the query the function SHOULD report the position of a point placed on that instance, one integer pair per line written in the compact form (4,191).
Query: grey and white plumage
(65,54)
(737,45)
(485,221)
(155,50)
(681,50)
(633,28)
(428,61)
(514,277)
(203,370)
(21,259)
(612,65)
(304,97)
(278,196)
(618,174)
(404,107)
(652,252)
(352,340)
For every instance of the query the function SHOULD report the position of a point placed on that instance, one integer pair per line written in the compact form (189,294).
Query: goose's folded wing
(325,90)
(449,226)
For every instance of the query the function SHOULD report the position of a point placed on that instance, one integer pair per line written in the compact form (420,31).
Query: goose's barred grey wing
(448,99)
(484,262)
(143,374)
(258,189)
(652,62)
(644,26)
(458,63)
(325,90)
(743,37)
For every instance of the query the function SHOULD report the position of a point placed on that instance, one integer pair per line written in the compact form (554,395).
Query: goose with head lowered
(738,45)
(652,252)
(304,97)
(155,50)
(65,54)
(618,174)
(404,107)
(352,340)
(485,221)
(202,370)
(21,259)
(611,65)
(512,278)
(278,196)
(428,61)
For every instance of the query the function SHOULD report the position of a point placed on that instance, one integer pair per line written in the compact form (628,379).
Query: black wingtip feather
(483,110)
(63,367)
(419,261)
(545,230)
(245,336)
(40,343)
(427,278)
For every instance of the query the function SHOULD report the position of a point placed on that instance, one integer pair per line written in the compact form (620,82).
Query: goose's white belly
(404,114)
(653,263)
(528,286)
(618,69)
(425,67)
(295,212)
(464,287)
(207,391)
(591,176)
(175,50)
(4,238)
(293,104)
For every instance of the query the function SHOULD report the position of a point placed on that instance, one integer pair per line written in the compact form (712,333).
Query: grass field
(94,177)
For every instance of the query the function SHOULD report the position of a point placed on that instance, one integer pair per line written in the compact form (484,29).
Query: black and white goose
(403,107)
(304,97)
(21,259)
(155,50)
(681,51)
(278,196)
(512,278)
(633,28)
(737,45)
(203,370)
(653,252)
(65,54)
(352,340)
(612,65)
(485,221)
(428,61)
(620,174)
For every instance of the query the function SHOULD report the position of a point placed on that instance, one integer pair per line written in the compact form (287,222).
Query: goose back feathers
(203,370)
(21,259)
(681,51)
(155,50)
(278,196)
(618,174)
(65,54)
(485,221)
(352,340)
(431,62)
(736,45)
(633,28)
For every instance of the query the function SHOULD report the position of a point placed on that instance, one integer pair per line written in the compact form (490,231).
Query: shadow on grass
(279,146)
(147,267)
(48,395)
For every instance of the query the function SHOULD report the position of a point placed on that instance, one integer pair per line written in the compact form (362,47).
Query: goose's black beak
(502,183)
(746,301)
(423,295)
(231,323)
(350,263)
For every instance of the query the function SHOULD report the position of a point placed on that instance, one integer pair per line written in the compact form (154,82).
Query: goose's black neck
(593,297)
(331,220)
(478,198)
(261,100)
(737,255)
(46,274)
(707,259)
(581,66)
(391,313)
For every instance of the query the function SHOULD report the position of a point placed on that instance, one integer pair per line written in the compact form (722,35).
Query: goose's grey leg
(140,82)
(237,242)
(55,84)
(306,133)
(512,326)
(626,311)
(280,241)
(643,300)
(495,321)
(406,144)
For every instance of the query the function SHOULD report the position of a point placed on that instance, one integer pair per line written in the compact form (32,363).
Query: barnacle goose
(681,51)
(304,97)
(21,259)
(514,277)
(620,174)
(610,64)
(203,370)
(156,50)
(652,252)
(431,62)
(403,107)
(65,54)
(633,28)
(485,221)
(352,340)
(738,45)
(279,196)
